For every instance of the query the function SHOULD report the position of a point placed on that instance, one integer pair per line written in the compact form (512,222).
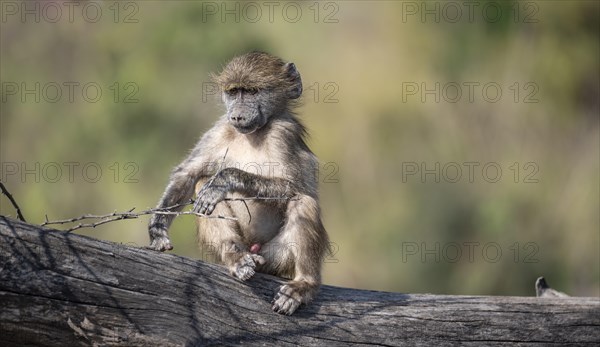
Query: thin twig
(12,201)
(262,198)
(115,216)
(243,200)
(247,210)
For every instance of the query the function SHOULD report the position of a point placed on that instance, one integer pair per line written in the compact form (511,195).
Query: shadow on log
(65,289)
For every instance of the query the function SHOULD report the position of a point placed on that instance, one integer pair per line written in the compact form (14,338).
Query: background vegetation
(392,230)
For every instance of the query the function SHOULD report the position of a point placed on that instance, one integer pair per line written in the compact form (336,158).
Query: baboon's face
(249,109)
(257,87)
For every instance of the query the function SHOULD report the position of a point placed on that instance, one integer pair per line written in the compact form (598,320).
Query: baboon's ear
(295,81)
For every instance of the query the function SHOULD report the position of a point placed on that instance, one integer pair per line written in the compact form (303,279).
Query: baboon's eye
(232,91)
(252,91)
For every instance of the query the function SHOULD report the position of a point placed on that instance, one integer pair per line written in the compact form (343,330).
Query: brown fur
(253,70)
(271,160)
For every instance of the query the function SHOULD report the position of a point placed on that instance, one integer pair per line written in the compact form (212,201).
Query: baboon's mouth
(245,129)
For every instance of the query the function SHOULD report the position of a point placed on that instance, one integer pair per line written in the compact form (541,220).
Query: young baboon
(261,144)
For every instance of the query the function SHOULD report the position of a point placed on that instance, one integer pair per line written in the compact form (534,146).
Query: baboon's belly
(259,222)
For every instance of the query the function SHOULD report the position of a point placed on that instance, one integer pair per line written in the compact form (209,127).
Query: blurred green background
(517,90)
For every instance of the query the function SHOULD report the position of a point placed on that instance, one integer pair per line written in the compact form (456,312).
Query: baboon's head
(256,87)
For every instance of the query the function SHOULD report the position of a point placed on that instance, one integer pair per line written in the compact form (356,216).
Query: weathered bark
(65,289)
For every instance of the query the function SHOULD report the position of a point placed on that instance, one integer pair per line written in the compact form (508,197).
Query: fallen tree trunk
(58,288)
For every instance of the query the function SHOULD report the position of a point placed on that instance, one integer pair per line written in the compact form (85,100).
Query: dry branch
(65,289)
(116,216)
(12,201)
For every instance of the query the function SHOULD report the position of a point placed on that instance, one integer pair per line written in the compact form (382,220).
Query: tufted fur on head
(260,71)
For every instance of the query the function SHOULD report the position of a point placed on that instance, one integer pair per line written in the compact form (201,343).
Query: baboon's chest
(261,160)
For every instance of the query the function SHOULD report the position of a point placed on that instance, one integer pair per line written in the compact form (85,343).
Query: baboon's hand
(159,241)
(245,267)
(208,198)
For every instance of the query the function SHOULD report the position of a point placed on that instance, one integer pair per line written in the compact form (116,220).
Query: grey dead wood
(64,289)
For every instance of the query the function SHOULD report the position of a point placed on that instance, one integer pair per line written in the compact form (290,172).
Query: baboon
(260,143)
